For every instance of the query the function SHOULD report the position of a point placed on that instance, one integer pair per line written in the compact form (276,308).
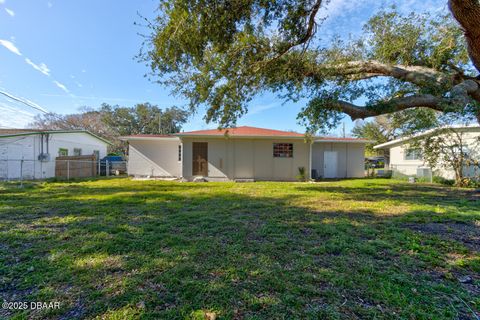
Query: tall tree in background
(221,54)
(392,126)
(143,118)
(111,122)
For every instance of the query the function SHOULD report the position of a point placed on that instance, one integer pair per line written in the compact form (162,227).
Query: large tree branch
(367,69)
(460,95)
(393,105)
(467,13)
(310,31)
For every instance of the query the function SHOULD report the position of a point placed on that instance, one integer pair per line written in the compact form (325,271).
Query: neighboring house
(408,160)
(39,148)
(244,153)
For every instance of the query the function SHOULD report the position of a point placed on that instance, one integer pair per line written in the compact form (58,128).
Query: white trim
(473,128)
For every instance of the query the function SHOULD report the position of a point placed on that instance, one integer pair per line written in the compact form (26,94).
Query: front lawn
(123,249)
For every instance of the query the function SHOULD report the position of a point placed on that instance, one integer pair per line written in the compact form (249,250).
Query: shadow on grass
(174,250)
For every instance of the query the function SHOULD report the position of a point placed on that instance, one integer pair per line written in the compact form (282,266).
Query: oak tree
(220,54)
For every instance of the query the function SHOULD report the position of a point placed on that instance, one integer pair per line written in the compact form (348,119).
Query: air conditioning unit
(424,172)
(44,157)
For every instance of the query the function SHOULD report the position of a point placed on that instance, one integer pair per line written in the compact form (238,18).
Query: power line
(24,101)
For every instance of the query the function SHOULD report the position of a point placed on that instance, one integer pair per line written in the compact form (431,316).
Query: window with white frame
(77,151)
(413,154)
(283,150)
(97,154)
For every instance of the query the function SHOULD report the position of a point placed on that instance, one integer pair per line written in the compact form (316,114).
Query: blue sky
(62,55)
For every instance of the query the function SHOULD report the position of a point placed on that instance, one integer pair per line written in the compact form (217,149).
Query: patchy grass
(123,249)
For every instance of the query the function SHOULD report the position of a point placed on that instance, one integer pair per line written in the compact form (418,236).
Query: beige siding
(156,158)
(248,159)
(350,157)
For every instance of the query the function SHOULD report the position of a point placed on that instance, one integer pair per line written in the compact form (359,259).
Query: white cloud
(49,4)
(61,86)
(2,1)
(79,84)
(259,108)
(14,117)
(83,71)
(10,46)
(10,12)
(42,67)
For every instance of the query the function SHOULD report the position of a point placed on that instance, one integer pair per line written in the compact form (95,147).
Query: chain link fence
(30,169)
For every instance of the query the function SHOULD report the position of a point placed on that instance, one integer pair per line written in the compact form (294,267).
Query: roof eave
(205,136)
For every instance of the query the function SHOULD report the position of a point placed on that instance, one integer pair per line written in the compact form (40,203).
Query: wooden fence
(76,166)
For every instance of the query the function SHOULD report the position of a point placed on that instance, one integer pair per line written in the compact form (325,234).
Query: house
(31,153)
(244,153)
(408,160)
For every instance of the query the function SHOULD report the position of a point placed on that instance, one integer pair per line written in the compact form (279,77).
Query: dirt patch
(466,233)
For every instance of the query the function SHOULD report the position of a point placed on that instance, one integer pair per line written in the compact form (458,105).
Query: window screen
(283,150)
(413,154)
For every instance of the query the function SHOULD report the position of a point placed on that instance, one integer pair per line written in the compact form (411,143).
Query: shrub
(302,176)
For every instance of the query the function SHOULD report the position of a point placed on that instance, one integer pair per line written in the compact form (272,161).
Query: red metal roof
(243,131)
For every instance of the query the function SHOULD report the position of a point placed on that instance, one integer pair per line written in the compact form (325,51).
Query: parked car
(116,165)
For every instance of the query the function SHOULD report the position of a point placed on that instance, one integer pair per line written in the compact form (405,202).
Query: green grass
(123,249)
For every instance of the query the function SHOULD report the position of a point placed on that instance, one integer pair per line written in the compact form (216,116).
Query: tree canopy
(111,122)
(220,54)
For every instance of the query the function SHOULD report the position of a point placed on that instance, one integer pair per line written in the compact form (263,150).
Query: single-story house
(244,153)
(408,160)
(39,148)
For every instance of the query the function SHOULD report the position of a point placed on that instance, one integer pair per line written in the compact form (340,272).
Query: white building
(244,153)
(30,153)
(408,160)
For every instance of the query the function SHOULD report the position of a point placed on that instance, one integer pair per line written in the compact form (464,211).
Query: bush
(442,180)
(302,176)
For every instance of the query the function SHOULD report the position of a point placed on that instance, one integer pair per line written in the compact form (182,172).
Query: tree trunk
(467,13)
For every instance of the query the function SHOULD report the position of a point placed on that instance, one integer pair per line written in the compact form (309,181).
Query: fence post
(68,169)
(21,173)
(99,168)
(107,169)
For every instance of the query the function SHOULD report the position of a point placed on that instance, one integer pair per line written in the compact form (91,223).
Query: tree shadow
(174,250)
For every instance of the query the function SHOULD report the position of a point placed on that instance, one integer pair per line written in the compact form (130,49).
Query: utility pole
(343,129)
(160,122)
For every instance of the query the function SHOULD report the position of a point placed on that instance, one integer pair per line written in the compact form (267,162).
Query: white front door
(330,164)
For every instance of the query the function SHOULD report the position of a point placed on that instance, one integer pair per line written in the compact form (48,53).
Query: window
(97,154)
(62,152)
(413,154)
(77,151)
(179,152)
(283,150)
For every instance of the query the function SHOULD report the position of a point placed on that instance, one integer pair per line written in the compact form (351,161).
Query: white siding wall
(13,149)
(409,167)
(351,158)
(156,158)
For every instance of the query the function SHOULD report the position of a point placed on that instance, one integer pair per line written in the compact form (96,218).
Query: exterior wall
(398,162)
(155,158)
(351,158)
(230,159)
(28,148)
(409,167)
